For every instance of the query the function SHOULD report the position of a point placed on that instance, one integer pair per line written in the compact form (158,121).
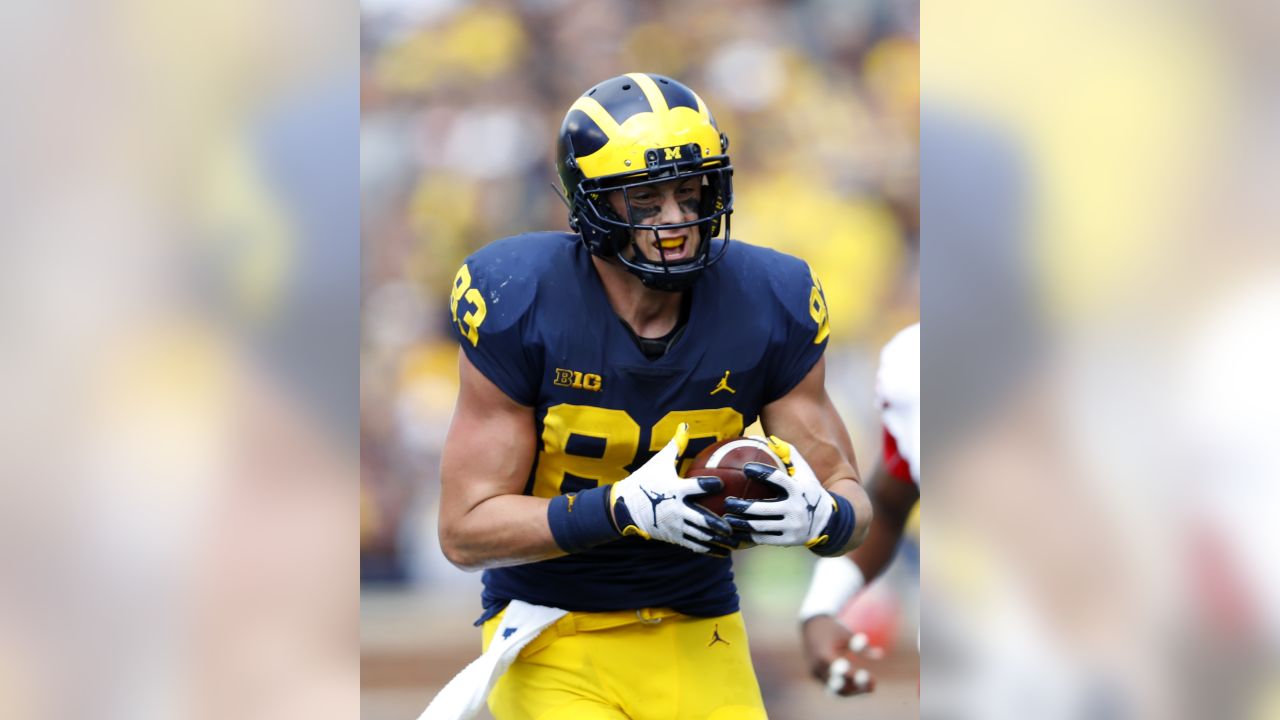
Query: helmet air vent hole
(626,87)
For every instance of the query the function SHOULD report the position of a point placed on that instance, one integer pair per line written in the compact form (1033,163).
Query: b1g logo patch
(577,380)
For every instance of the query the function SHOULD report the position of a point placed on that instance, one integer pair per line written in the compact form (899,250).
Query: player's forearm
(893,500)
(875,553)
(863,515)
(502,530)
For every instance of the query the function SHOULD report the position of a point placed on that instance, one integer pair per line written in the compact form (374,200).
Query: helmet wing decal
(601,117)
(657,100)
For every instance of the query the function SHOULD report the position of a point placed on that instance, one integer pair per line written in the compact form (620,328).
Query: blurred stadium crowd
(177,442)
(1100,367)
(179,495)
(460,106)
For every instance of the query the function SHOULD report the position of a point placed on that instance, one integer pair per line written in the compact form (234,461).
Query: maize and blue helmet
(641,129)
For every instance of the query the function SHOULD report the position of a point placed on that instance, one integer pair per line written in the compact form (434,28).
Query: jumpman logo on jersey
(723,385)
(715,636)
(655,498)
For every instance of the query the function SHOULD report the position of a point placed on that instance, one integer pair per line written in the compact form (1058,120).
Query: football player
(829,646)
(594,366)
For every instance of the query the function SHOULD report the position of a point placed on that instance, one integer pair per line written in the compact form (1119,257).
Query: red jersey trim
(894,463)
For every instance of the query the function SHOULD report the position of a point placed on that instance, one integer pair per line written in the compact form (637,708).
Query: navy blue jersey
(532,316)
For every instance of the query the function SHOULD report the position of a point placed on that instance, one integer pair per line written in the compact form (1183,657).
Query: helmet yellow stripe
(598,114)
(662,126)
(651,91)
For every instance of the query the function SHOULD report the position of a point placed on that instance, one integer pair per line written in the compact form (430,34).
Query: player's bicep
(806,418)
(490,446)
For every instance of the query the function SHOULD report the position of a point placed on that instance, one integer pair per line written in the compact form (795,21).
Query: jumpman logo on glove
(655,499)
(811,509)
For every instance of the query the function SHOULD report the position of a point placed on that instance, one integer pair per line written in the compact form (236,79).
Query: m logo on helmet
(672,153)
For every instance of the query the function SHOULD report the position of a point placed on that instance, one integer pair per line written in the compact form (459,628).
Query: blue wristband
(580,521)
(838,530)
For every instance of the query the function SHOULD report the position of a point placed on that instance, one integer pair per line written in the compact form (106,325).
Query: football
(725,460)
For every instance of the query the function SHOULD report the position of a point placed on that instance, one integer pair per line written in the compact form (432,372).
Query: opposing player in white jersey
(894,490)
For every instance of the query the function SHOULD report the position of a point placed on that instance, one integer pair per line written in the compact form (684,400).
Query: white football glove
(655,503)
(798,517)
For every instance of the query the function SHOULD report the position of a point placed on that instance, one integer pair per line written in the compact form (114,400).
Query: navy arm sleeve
(490,306)
(802,326)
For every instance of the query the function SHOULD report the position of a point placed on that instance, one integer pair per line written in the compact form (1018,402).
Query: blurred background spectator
(460,103)
(178,437)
